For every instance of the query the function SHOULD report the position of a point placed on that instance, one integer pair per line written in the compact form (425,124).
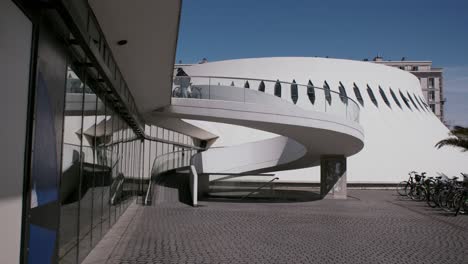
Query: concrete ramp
(171,188)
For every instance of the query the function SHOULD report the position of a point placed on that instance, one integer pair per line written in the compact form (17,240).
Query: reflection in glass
(86,191)
(71,169)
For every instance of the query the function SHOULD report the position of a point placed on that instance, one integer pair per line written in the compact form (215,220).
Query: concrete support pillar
(333,177)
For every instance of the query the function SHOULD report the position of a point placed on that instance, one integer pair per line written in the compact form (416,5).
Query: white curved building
(399,129)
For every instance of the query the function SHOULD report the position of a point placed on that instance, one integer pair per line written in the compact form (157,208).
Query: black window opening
(372,96)
(261,86)
(384,97)
(419,103)
(412,101)
(247,85)
(395,98)
(405,100)
(294,92)
(326,89)
(311,92)
(424,104)
(357,92)
(278,88)
(343,95)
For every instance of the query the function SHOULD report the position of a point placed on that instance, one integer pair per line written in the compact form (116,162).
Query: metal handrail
(267,183)
(274,81)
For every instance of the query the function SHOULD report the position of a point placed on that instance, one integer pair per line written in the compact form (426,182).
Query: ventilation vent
(384,97)
(278,88)
(294,92)
(372,96)
(343,95)
(326,88)
(395,98)
(261,87)
(311,92)
(358,95)
(405,100)
(412,101)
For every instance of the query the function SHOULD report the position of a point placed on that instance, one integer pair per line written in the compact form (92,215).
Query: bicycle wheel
(462,206)
(431,199)
(402,188)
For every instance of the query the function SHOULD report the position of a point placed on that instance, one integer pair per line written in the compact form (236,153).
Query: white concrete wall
(396,140)
(15,52)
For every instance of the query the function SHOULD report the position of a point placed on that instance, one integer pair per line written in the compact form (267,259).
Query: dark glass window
(384,97)
(358,94)
(326,88)
(372,96)
(405,100)
(311,92)
(343,95)
(294,92)
(419,103)
(261,87)
(395,98)
(412,101)
(246,85)
(278,88)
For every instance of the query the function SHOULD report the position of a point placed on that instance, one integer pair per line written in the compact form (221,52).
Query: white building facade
(400,130)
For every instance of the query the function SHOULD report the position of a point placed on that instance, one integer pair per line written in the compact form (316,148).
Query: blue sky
(417,29)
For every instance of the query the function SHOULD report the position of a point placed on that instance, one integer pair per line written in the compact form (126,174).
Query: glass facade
(105,166)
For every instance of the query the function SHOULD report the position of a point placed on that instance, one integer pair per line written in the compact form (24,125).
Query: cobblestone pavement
(370,227)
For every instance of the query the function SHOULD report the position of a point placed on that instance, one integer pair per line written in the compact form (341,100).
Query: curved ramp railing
(321,99)
(163,163)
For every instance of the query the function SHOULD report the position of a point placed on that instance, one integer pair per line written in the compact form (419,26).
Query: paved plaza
(371,226)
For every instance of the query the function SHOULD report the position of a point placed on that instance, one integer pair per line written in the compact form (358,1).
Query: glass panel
(87,175)
(110,160)
(101,171)
(71,169)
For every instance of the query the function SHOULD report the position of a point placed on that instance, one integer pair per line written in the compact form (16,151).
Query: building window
(419,103)
(326,88)
(372,96)
(431,95)
(384,97)
(358,94)
(402,67)
(343,95)
(311,92)
(294,92)
(405,100)
(430,83)
(432,107)
(414,68)
(412,101)
(395,98)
